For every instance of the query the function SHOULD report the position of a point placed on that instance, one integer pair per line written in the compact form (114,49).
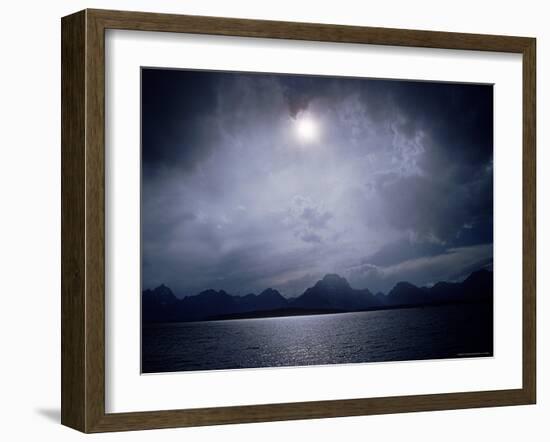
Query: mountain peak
(333,277)
(333,281)
(161,295)
(272,293)
(331,293)
(214,294)
(162,290)
(405,293)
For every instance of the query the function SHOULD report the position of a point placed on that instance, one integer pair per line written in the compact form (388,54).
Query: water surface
(385,335)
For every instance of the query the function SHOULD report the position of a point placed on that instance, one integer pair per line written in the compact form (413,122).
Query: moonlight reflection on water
(386,335)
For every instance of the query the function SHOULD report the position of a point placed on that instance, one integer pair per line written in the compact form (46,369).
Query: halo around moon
(307,129)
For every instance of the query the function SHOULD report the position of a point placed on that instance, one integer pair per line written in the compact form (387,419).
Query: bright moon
(306,129)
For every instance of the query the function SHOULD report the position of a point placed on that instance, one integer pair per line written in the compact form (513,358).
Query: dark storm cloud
(396,185)
(440,209)
(403,250)
(165,121)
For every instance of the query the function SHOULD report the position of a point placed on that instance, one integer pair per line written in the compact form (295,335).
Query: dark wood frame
(83,218)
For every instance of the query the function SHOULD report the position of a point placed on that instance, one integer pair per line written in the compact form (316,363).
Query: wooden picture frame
(83,220)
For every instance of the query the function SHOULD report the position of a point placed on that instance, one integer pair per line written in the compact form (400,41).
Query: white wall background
(30,217)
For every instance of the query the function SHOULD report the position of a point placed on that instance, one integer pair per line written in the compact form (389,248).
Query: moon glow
(307,129)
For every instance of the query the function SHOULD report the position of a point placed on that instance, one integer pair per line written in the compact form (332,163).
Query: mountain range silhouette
(332,294)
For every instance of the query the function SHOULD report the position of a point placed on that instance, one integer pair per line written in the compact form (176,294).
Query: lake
(435,332)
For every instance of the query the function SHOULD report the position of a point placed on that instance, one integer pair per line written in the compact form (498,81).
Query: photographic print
(300,220)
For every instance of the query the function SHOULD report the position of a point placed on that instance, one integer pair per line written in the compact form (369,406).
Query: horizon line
(455,281)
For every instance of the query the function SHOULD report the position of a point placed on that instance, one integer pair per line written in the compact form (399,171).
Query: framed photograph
(268,221)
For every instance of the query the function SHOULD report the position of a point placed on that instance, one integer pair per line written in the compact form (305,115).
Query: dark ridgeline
(332,294)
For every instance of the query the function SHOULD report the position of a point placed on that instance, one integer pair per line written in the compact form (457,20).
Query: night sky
(252,181)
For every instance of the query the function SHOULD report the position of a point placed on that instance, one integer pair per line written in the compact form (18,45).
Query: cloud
(404,249)
(453,264)
(308,219)
(398,186)
(309,236)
